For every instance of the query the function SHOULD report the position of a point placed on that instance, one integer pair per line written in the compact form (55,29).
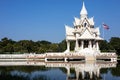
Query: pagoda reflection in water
(80,70)
(83,70)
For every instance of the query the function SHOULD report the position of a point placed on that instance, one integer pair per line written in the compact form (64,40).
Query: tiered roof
(84,27)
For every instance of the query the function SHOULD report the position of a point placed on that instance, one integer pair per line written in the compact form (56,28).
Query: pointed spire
(83,12)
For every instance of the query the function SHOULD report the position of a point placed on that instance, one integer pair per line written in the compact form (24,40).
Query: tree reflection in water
(8,76)
(61,71)
(5,76)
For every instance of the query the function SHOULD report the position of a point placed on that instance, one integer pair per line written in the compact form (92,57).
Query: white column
(66,59)
(68,46)
(68,71)
(82,44)
(90,44)
(91,74)
(97,46)
(76,45)
(83,74)
(98,73)
(46,60)
(77,75)
(94,45)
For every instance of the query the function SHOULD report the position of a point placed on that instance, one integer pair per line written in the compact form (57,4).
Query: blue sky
(45,19)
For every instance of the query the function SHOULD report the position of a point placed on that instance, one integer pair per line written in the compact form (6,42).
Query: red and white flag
(105,26)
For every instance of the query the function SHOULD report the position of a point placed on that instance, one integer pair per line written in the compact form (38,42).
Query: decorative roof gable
(69,30)
(86,34)
(85,23)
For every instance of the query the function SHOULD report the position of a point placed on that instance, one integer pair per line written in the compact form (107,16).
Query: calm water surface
(59,71)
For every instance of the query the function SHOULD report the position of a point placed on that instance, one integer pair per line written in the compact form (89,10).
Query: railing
(3,56)
(54,54)
(21,56)
(63,54)
(107,54)
(35,55)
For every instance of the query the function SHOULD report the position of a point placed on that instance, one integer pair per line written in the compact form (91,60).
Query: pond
(34,70)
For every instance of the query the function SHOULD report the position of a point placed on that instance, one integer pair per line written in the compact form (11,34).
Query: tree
(104,46)
(27,45)
(5,41)
(17,47)
(6,45)
(53,48)
(62,46)
(9,48)
(115,42)
(41,50)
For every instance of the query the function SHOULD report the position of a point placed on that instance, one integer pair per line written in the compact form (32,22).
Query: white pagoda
(84,33)
(86,37)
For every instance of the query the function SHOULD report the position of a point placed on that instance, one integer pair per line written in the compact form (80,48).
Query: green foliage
(104,70)
(104,46)
(62,46)
(5,73)
(115,42)
(28,46)
(9,46)
(113,45)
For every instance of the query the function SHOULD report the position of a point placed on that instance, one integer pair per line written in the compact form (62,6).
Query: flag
(105,26)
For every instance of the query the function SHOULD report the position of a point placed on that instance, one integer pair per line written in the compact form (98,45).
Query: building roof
(83,11)
(83,28)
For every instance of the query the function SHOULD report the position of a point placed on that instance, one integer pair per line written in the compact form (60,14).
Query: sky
(46,19)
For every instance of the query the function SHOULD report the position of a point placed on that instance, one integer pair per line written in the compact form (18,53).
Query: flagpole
(105,27)
(103,31)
